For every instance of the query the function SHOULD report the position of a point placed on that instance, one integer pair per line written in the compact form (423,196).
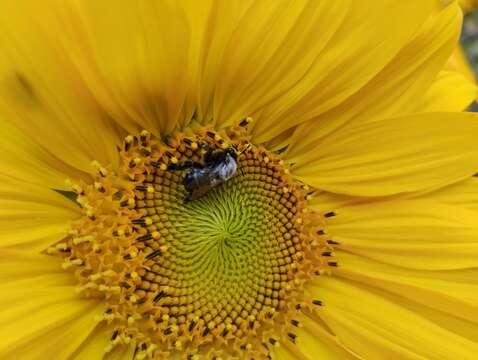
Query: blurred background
(469,40)
(469,37)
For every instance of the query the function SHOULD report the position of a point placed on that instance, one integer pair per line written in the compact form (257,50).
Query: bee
(217,167)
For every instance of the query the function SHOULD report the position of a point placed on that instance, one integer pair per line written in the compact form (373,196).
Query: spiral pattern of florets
(225,270)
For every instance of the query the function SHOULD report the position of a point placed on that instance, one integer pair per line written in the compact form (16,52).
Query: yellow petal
(122,352)
(378,328)
(453,292)
(314,342)
(33,217)
(141,77)
(463,193)
(217,26)
(323,201)
(61,341)
(391,156)
(440,98)
(397,89)
(40,313)
(468,5)
(415,234)
(43,94)
(283,353)
(370,36)
(19,266)
(270,51)
(93,348)
(458,62)
(453,323)
(25,160)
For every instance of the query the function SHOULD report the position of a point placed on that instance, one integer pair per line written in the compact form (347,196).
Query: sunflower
(250,179)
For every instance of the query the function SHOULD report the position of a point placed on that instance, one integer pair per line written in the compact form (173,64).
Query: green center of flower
(201,244)
(229,252)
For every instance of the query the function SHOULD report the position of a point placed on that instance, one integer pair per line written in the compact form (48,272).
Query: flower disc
(223,268)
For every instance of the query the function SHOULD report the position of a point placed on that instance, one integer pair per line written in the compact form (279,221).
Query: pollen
(220,274)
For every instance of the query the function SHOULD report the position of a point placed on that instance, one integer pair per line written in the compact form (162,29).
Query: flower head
(236,180)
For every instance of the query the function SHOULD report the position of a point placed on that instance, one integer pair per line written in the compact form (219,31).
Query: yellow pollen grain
(83,239)
(70,263)
(81,200)
(90,285)
(61,246)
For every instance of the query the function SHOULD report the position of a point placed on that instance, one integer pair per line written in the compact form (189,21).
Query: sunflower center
(198,243)
(229,252)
